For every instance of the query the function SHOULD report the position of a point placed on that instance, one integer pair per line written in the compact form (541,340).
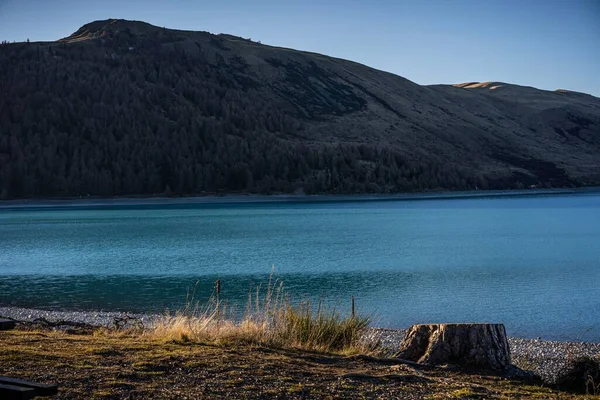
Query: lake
(530,262)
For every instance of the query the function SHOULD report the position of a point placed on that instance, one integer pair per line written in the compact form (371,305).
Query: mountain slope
(123,107)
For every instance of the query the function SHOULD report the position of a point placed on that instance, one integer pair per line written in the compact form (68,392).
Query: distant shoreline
(213,199)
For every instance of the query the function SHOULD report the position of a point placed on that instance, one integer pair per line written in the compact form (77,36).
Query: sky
(548,44)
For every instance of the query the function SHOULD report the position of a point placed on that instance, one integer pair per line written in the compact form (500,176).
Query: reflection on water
(532,263)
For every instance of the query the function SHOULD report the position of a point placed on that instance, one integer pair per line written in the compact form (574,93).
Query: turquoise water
(530,262)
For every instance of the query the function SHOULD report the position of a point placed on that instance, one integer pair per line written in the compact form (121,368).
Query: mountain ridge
(103,25)
(342,126)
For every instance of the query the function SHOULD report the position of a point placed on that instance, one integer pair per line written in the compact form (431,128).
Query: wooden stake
(218,290)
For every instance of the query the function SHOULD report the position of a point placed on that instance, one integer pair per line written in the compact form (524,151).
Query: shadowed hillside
(126,108)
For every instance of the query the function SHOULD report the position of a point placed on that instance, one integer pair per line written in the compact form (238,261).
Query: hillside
(126,108)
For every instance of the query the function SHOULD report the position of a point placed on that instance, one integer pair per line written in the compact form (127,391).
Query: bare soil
(97,365)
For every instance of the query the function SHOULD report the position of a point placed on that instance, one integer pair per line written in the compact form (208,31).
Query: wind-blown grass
(321,330)
(270,319)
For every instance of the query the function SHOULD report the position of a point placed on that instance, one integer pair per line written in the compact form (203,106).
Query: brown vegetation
(113,366)
(270,320)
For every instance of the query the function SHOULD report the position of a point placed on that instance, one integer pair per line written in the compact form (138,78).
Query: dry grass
(270,319)
(100,365)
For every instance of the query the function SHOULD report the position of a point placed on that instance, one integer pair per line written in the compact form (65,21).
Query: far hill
(127,108)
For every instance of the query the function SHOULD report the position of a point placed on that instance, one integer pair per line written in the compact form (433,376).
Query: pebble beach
(543,357)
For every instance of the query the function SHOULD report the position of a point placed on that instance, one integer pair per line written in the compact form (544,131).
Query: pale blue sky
(548,44)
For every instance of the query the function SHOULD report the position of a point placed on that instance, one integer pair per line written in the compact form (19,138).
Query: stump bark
(472,345)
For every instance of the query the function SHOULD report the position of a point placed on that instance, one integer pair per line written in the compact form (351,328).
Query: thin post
(218,290)
(352,306)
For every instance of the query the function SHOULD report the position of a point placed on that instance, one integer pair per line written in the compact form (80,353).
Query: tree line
(116,120)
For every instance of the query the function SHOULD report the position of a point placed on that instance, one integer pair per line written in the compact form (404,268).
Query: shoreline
(103,318)
(233,198)
(546,358)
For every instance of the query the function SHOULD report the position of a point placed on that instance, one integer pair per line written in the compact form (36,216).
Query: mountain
(127,108)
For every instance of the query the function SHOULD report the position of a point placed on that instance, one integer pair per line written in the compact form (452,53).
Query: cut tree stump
(471,345)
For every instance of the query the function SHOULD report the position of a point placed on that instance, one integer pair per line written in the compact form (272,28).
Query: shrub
(581,375)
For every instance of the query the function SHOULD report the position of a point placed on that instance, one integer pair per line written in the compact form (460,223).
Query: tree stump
(472,345)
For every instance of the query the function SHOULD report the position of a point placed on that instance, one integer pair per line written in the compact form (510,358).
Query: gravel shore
(543,357)
(95,318)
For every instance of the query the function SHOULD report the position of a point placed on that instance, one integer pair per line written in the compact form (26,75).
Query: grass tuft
(320,330)
(270,319)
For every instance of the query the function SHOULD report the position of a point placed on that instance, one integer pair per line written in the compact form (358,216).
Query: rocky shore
(543,357)
(94,318)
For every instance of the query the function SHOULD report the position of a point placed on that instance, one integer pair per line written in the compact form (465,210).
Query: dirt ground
(94,365)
